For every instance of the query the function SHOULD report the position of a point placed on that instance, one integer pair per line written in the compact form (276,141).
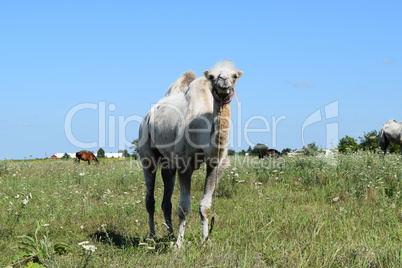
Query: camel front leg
(214,172)
(184,208)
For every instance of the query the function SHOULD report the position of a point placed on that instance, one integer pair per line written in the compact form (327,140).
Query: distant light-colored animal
(187,127)
(391,131)
(86,157)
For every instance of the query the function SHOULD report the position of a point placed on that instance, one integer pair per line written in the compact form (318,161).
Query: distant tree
(125,153)
(258,148)
(311,149)
(394,148)
(66,156)
(348,144)
(286,151)
(231,152)
(249,150)
(100,153)
(369,141)
(135,146)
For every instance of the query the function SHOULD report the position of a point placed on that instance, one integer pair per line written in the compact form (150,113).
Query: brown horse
(86,157)
(268,152)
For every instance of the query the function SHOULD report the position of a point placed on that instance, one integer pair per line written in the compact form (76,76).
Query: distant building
(113,155)
(60,155)
(295,153)
(72,155)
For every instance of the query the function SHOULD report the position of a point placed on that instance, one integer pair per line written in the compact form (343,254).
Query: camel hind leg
(169,177)
(149,176)
(384,141)
(384,145)
(184,208)
(150,163)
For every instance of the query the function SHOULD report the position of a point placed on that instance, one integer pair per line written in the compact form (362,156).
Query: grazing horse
(187,127)
(391,131)
(86,157)
(268,152)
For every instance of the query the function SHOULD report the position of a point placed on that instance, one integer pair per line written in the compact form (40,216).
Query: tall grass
(337,211)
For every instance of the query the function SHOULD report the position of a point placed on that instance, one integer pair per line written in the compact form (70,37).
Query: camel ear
(208,75)
(239,74)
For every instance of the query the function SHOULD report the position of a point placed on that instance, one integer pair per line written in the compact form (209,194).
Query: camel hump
(181,84)
(188,77)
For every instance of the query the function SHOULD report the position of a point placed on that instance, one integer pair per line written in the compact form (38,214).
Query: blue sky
(314,71)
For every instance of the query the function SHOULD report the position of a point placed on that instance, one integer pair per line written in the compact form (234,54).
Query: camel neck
(222,126)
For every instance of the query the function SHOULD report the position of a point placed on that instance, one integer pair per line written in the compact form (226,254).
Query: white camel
(391,131)
(187,127)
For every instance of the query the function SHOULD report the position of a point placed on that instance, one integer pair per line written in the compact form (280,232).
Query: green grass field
(337,211)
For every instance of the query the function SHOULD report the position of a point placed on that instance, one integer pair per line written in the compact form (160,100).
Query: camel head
(223,77)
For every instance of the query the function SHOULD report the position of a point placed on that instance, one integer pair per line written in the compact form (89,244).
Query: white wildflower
(46,225)
(82,174)
(25,201)
(17,196)
(343,210)
(83,243)
(393,206)
(335,199)
(90,247)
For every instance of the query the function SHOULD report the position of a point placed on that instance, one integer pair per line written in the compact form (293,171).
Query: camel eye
(235,76)
(211,77)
